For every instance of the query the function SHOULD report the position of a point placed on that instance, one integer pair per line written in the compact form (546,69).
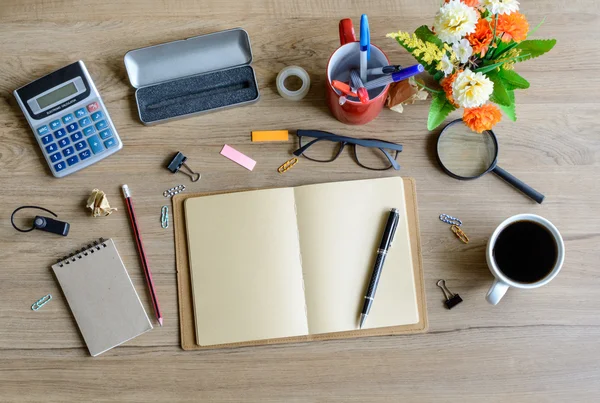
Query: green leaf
(512,79)
(534,48)
(536,27)
(426,35)
(510,111)
(438,76)
(500,94)
(485,69)
(439,110)
(505,49)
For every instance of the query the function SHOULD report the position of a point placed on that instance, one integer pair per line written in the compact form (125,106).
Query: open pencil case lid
(191,76)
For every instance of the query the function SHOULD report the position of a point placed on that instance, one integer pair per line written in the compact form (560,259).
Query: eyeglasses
(320,146)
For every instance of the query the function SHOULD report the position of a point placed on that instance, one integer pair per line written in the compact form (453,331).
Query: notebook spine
(81,253)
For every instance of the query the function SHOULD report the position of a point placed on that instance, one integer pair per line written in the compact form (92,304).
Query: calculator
(68,119)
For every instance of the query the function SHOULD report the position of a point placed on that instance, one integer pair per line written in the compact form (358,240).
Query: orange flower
(513,26)
(446,84)
(482,37)
(470,3)
(482,118)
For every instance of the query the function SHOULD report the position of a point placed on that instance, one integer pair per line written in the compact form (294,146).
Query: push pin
(451,299)
(177,162)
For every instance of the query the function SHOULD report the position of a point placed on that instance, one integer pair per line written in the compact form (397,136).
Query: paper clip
(448,219)
(286,166)
(177,162)
(41,302)
(459,233)
(174,190)
(451,299)
(164,217)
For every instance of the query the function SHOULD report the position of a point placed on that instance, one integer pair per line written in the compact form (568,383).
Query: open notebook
(288,262)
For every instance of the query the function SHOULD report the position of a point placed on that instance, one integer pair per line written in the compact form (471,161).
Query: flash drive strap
(12,216)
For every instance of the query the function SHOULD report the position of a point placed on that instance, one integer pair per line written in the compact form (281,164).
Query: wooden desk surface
(540,345)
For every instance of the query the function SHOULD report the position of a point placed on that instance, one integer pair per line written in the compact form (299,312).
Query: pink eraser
(238,157)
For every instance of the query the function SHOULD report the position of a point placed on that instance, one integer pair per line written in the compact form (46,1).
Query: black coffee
(525,251)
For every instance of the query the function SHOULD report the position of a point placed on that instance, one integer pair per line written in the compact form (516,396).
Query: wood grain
(537,346)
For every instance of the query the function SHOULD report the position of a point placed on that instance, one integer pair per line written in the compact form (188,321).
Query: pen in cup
(365,46)
(379,71)
(357,83)
(395,77)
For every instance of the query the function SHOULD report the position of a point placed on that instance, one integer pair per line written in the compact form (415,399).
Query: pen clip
(395,225)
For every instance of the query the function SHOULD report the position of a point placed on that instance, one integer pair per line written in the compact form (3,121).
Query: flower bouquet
(471,53)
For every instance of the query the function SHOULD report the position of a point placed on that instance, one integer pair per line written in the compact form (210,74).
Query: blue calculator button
(79,113)
(42,130)
(95,144)
(72,127)
(60,166)
(96,115)
(101,125)
(80,146)
(55,124)
(76,136)
(64,142)
(67,152)
(72,160)
(104,134)
(85,154)
(55,157)
(85,122)
(60,133)
(89,130)
(110,143)
(47,139)
(51,148)
(68,119)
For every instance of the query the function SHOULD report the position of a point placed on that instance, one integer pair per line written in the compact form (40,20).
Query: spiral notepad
(101,295)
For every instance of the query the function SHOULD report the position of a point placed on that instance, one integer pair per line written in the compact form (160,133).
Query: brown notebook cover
(186,309)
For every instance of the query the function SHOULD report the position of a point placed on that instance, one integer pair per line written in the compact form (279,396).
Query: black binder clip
(177,162)
(451,299)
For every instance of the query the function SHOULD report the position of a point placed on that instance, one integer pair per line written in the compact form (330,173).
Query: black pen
(384,246)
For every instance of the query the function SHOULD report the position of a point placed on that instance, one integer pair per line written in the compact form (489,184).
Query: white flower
(501,6)
(445,65)
(471,89)
(455,20)
(463,50)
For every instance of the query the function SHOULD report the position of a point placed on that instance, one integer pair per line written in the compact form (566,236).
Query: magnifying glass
(464,154)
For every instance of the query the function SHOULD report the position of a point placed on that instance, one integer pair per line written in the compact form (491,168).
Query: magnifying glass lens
(465,153)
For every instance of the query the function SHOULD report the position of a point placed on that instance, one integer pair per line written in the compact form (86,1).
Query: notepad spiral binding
(80,253)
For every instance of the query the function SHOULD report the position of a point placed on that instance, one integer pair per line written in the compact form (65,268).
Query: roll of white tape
(289,72)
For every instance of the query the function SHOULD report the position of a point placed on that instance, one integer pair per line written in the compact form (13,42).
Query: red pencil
(140,248)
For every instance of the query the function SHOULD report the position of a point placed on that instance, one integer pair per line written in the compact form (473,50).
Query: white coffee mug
(502,282)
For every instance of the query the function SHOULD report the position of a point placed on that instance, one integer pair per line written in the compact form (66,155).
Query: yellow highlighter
(270,135)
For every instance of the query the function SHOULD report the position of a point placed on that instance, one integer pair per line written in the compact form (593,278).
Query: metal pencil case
(196,75)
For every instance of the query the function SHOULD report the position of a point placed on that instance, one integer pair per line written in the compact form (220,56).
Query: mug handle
(496,292)
(347,34)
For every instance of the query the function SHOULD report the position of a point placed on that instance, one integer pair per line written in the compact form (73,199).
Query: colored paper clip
(286,166)
(174,190)
(164,217)
(41,302)
(343,88)
(460,233)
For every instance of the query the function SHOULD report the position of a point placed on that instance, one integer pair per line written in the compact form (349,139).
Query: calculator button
(68,119)
(104,134)
(89,130)
(110,143)
(60,166)
(85,122)
(95,144)
(101,125)
(64,142)
(72,127)
(93,107)
(55,157)
(72,160)
(67,152)
(76,136)
(96,115)
(47,139)
(79,113)
(55,124)
(80,146)
(85,154)
(51,148)
(43,130)
(60,133)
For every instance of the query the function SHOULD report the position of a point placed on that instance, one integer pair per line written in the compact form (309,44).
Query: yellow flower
(429,52)
(471,89)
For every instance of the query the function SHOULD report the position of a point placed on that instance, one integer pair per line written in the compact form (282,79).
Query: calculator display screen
(57,95)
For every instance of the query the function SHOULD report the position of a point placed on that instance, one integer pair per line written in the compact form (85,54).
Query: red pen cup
(345,58)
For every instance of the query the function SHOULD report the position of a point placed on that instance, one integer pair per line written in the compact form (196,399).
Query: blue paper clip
(41,302)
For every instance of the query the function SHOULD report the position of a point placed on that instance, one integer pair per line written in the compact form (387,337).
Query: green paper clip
(41,302)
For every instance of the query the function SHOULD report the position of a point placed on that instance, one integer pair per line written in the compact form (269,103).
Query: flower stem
(492,48)
(420,84)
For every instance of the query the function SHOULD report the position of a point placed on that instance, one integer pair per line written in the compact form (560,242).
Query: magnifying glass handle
(526,189)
